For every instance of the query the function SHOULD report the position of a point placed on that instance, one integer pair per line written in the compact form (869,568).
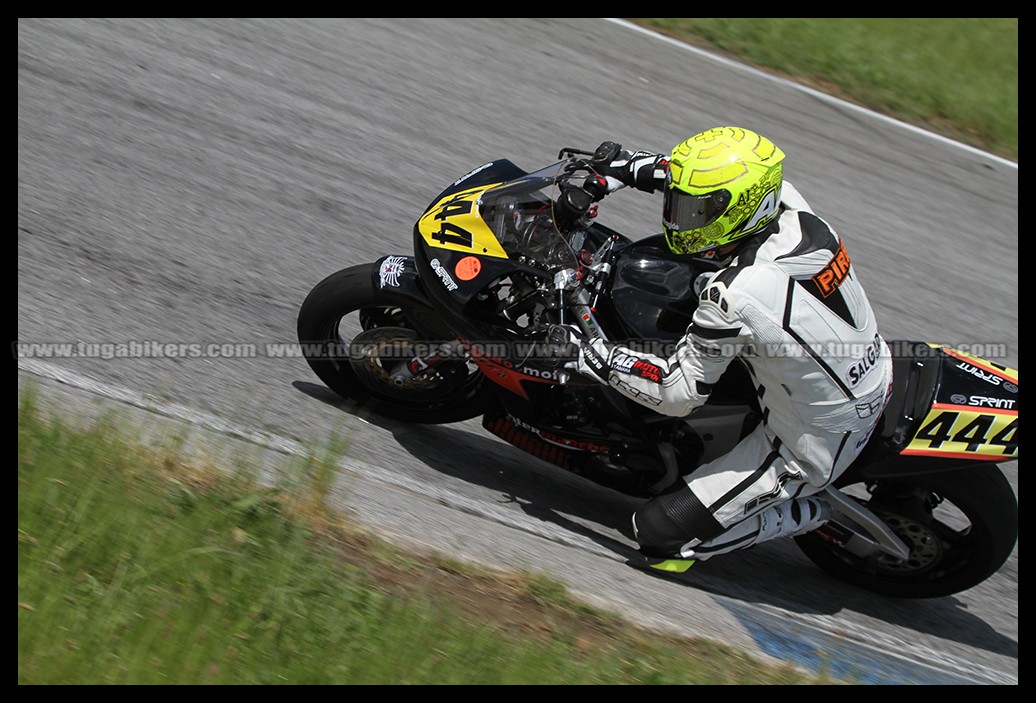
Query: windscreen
(521,215)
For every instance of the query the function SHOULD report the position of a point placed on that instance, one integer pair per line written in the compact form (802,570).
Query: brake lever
(572,152)
(577,165)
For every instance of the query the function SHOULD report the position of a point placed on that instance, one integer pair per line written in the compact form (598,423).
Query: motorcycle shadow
(467,452)
(773,574)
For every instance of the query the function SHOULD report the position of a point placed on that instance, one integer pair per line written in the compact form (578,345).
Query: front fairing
(502,219)
(487,252)
(481,230)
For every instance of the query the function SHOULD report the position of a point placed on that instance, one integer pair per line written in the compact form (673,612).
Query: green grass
(954,76)
(136,566)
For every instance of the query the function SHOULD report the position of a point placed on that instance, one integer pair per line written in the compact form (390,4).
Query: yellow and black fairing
(948,410)
(405,279)
(464,248)
(456,253)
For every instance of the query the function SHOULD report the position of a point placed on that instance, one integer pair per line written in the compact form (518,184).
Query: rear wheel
(355,342)
(960,526)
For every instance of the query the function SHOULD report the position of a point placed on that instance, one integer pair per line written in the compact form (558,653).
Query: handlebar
(576,199)
(570,151)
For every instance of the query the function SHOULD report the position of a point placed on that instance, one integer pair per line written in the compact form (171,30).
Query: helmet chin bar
(724,254)
(713,256)
(716,254)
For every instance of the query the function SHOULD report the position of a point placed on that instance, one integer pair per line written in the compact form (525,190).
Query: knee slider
(666,523)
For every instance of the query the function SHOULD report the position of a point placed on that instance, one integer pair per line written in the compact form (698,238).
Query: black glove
(578,352)
(605,154)
(642,170)
(612,164)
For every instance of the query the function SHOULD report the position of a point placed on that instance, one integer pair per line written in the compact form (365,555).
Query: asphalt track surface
(188,181)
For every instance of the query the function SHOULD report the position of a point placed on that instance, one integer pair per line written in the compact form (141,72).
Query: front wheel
(960,526)
(354,338)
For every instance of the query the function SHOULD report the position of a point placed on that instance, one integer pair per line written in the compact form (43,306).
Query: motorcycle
(458,330)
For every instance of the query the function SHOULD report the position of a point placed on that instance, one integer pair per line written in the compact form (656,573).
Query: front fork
(420,365)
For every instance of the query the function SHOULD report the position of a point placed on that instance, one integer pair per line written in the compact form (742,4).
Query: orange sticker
(467,268)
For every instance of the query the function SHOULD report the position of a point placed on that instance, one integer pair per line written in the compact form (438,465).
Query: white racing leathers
(790,305)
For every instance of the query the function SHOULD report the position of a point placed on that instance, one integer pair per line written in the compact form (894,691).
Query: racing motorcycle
(459,330)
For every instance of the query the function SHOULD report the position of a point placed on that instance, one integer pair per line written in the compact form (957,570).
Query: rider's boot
(794,517)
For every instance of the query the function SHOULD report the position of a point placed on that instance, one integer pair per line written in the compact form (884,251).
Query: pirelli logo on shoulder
(831,276)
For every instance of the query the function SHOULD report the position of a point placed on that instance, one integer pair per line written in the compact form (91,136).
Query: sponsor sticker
(471,173)
(444,275)
(863,365)
(834,272)
(467,268)
(623,362)
(389,272)
(982,401)
(975,371)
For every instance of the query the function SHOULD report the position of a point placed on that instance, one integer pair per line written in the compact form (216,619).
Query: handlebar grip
(596,186)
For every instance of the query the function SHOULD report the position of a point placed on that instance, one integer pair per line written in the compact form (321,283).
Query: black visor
(682,211)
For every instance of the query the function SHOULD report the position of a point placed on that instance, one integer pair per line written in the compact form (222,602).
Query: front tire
(961,527)
(346,312)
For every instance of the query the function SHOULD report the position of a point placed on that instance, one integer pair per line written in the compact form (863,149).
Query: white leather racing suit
(791,306)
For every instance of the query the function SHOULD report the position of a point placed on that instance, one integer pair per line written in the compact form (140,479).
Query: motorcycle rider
(787,302)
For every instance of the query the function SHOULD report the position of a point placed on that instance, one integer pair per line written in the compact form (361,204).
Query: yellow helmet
(724,184)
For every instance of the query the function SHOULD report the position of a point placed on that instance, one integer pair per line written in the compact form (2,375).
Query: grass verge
(955,76)
(136,566)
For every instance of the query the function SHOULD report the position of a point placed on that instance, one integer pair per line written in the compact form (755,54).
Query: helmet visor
(682,211)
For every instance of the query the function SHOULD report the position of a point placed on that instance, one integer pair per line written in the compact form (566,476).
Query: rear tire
(452,393)
(956,546)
